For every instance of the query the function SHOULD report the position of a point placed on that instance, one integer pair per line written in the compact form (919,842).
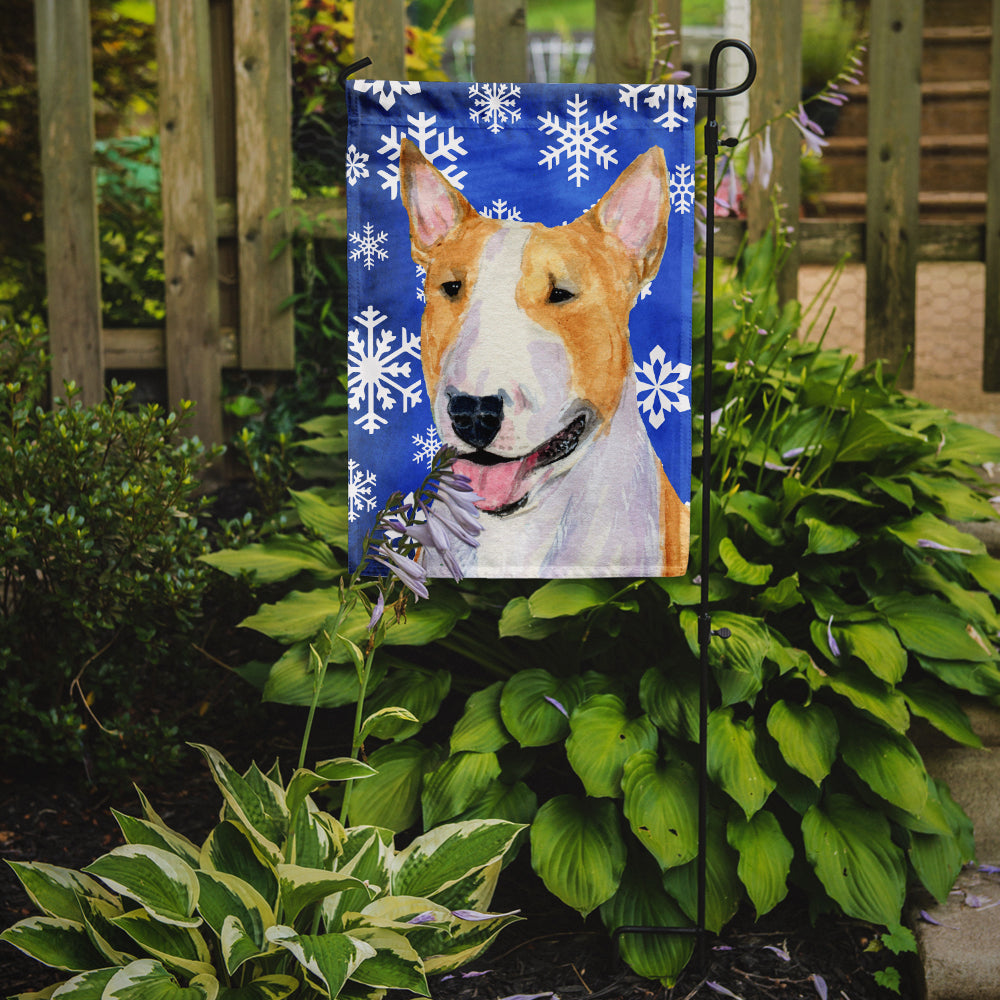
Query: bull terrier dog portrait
(529,373)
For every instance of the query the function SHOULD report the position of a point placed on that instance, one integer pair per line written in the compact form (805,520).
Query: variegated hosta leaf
(367,853)
(475,891)
(578,851)
(642,902)
(256,801)
(177,947)
(225,897)
(328,959)
(274,987)
(850,847)
(56,891)
(732,760)
(456,784)
(300,887)
(807,736)
(723,889)
(315,838)
(141,831)
(230,849)
(661,799)
(304,782)
(602,737)
(54,941)
(116,947)
(147,979)
(535,706)
(395,964)
(158,880)
(765,858)
(481,728)
(441,857)
(86,986)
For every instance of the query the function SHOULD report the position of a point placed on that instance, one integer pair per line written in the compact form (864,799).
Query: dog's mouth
(503,483)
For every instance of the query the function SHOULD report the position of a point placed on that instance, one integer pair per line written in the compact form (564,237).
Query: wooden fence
(226,160)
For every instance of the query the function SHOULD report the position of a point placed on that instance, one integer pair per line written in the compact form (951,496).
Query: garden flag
(520,270)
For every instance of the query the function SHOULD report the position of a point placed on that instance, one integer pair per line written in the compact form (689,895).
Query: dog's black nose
(476,419)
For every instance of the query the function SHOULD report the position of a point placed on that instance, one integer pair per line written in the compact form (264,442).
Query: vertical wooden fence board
(72,256)
(380,34)
(667,13)
(501,41)
(190,256)
(893,183)
(621,40)
(991,332)
(262,61)
(776,36)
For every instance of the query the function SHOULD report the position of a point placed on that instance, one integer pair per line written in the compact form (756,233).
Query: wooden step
(945,105)
(947,162)
(940,13)
(958,206)
(956,53)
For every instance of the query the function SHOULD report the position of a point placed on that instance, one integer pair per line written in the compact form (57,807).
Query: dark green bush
(100,587)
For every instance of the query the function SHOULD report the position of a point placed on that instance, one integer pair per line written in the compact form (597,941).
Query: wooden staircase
(955,90)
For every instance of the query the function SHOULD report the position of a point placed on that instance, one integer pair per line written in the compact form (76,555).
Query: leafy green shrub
(279,899)
(99,539)
(854,602)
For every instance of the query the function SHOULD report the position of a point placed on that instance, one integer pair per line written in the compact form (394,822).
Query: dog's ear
(434,206)
(635,209)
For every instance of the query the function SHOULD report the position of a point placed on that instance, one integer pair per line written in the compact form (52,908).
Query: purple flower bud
(377,611)
(558,705)
(820,983)
(427,917)
(927,543)
(834,648)
(409,572)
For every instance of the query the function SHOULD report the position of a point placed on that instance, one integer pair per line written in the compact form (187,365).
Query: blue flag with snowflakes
(520,271)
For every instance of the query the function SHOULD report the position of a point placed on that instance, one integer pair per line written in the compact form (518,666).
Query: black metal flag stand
(705,631)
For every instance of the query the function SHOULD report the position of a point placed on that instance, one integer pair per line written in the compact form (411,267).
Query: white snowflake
(360,490)
(385,90)
(493,104)
(681,188)
(662,385)
(685,97)
(357,165)
(375,370)
(367,247)
(428,445)
(435,145)
(577,139)
(421,275)
(501,210)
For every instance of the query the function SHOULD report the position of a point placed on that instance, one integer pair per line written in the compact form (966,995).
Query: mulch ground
(550,953)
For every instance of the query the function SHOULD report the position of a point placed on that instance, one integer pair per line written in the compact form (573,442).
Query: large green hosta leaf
(765,858)
(927,528)
(481,728)
(670,698)
(279,558)
(391,798)
(932,628)
(876,645)
(418,690)
(941,709)
(602,738)
(535,706)
(888,763)
(850,848)
(641,901)
(807,736)
(738,661)
(577,850)
(456,784)
(661,806)
(741,570)
(723,889)
(559,598)
(732,760)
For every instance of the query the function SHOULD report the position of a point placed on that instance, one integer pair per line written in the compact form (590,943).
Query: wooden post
(893,183)
(380,34)
(776,35)
(190,254)
(262,60)
(991,333)
(501,41)
(622,40)
(72,255)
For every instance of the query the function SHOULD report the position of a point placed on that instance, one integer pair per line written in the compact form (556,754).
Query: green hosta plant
(855,604)
(279,900)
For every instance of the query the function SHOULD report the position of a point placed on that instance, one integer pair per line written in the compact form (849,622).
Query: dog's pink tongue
(498,485)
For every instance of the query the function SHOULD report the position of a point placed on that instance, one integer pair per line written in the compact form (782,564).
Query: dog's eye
(451,288)
(560,295)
